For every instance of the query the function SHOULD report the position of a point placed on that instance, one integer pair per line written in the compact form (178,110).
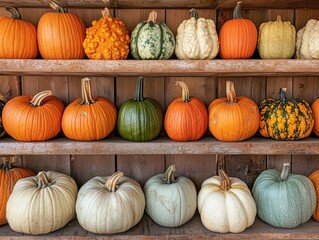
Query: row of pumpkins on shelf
(231,118)
(62,35)
(106,205)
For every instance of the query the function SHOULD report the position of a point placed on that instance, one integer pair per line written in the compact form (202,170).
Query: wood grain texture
(270,4)
(303,15)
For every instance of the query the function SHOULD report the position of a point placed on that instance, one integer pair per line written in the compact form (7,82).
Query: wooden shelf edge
(161,145)
(160,68)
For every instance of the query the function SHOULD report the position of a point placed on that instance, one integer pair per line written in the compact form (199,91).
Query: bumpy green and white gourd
(196,38)
(284,200)
(152,40)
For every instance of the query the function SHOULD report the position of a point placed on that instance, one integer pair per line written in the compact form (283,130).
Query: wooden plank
(269,4)
(303,15)
(63,3)
(10,86)
(276,161)
(305,164)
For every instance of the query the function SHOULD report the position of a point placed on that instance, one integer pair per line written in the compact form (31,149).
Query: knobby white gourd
(307,46)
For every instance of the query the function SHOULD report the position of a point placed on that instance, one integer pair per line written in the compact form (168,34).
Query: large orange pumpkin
(186,118)
(314,177)
(89,118)
(237,37)
(233,118)
(18,38)
(8,177)
(61,34)
(38,118)
(315,110)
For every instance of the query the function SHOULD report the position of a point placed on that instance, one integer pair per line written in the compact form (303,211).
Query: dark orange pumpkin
(237,37)
(38,118)
(61,34)
(89,118)
(18,38)
(186,118)
(8,177)
(314,177)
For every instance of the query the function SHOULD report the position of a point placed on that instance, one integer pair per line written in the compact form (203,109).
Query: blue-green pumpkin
(284,200)
(152,40)
(140,119)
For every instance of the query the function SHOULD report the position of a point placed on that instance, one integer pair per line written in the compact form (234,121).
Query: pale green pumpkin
(284,200)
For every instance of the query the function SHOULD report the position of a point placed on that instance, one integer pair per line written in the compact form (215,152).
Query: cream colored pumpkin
(196,38)
(170,201)
(307,46)
(226,204)
(277,39)
(42,204)
(109,205)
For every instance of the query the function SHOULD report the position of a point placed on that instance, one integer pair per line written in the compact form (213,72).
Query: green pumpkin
(285,119)
(3,101)
(284,200)
(152,40)
(140,119)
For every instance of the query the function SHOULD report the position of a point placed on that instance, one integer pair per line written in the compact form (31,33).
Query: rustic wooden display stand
(255,78)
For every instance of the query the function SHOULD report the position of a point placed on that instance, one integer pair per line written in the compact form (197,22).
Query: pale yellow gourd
(277,39)
(307,46)
(196,38)
(226,204)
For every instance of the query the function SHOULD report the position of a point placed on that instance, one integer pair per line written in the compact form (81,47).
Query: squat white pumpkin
(307,46)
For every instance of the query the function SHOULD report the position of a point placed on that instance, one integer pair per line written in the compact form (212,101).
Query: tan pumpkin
(307,46)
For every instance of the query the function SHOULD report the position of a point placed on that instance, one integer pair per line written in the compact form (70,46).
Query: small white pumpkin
(42,204)
(226,204)
(277,39)
(109,205)
(196,38)
(307,46)
(170,201)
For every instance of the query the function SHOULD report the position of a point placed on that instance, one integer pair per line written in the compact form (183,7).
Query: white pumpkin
(42,204)
(307,46)
(170,201)
(109,205)
(196,38)
(277,39)
(226,204)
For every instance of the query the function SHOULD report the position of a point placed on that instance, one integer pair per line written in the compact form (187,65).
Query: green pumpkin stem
(224,180)
(285,172)
(169,175)
(15,13)
(139,90)
(38,99)
(283,94)
(112,182)
(86,89)
(194,13)
(152,17)
(230,92)
(57,7)
(237,11)
(185,91)
(106,13)
(43,180)
(7,162)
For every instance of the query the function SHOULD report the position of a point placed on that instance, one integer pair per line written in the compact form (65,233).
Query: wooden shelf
(147,229)
(161,145)
(156,68)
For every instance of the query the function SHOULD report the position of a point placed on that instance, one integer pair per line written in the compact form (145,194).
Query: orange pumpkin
(18,38)
(38,118)
(233,118)
(8,177)
(314,177)
(89,118)
(315,110)
(186,118)
(61,34)
(237,37)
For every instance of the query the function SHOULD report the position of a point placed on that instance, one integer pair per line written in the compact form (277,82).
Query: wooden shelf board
(161,145)
(147,229)
(157,68)
(269,4)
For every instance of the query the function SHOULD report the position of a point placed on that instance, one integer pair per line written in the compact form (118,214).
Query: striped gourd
(285,119)
(152,40)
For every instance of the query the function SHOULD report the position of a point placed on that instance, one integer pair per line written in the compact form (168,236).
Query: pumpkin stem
(43,180)
(139,90)
(38,99)
(112,183)
(152,17)
(15,13)
(230,92)
(185,91)
(86,88)
(278,18)
(194,13)
(169,175)
(106,13)
(57,7)
(284,172)
(283,94)
(224,180)
(7,162)
(237,11)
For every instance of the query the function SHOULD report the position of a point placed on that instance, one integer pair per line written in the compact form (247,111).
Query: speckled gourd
(307,45)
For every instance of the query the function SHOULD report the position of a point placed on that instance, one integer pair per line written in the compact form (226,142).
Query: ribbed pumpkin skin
(315,110)
(314,177)
(60,36)
(18,39)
